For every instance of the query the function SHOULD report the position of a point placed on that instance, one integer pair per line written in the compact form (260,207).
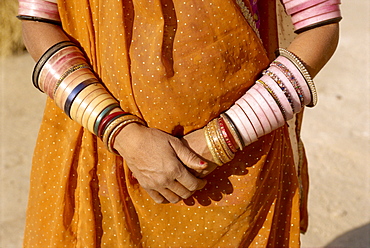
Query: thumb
(188,157)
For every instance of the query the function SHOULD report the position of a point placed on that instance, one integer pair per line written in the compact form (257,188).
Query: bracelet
(233,130)
(211,148)
(108,119)
(271,103)
(115,126)
(80,112)
(264,106)
(282,86)
(299,65)
(266,126)
(227,135)
(254,125)
(45,57)
(226,154)
(89,110)
(39,9)
(274,96)
(38,19)
(289,75)
(71,97)
(103,114)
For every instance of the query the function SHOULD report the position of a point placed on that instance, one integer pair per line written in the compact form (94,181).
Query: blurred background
(336,134)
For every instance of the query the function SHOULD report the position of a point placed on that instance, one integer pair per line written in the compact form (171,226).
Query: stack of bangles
(308,14)
(283,90)
(64,75)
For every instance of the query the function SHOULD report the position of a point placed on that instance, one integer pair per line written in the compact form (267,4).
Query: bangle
(38,19)
(282,86)
(45,57)
(103,114)
(81,97)
(114,129)
(233,130)
(226,154)
(272,104)
(302,69)
(227,135)
(108,119)
(274,96)
(211,147)
(77,90)
(39,9)
(89,110)
(264,106)
(289,75)
(266,126)
(67,85)
(252,117)
(87,101)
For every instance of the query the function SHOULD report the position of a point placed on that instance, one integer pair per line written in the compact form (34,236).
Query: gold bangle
(210,146)
(80,98)
(217,144)
(68,84)
(115,131)
(97,111)
(83,100)
(91,107)
(302,68)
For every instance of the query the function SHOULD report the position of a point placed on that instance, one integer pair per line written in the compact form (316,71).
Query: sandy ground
(336,135)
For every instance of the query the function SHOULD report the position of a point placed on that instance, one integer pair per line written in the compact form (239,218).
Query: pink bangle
(300,79)
(293,96)
(252,117)
(272,104)
(48,65)
(317,19)
(289,75)
(258,111)
(278,95)
(39,8)
(315,11)
(59,72)
(282,86)
(264,106)
(52,64)
(236,119)
(295,6)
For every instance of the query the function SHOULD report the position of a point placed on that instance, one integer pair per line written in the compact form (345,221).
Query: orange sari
(177,65)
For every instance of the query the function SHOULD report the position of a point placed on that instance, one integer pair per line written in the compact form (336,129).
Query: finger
(180,190)
(169,195)
(187,156)
(158,198)
(190,182)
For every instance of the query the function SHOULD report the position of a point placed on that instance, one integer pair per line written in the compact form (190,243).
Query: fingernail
(202,162)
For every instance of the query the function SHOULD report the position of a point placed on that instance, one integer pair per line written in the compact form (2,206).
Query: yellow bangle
(210,146)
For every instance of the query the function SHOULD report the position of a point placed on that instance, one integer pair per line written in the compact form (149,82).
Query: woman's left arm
(314,47)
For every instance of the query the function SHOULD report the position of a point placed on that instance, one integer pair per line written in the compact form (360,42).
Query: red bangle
(227,135)
(108,119)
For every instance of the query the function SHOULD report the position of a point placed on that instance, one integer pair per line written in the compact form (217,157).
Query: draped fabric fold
(178,65)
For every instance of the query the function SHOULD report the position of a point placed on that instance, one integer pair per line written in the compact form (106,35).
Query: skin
(170,169)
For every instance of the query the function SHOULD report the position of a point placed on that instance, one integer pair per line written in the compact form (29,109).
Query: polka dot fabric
(176,64)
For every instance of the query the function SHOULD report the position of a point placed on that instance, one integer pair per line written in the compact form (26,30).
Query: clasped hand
(168,168)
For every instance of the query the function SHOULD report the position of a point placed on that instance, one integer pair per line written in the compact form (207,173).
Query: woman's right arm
(156,159)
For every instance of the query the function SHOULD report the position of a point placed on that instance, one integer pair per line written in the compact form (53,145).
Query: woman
(147,99)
